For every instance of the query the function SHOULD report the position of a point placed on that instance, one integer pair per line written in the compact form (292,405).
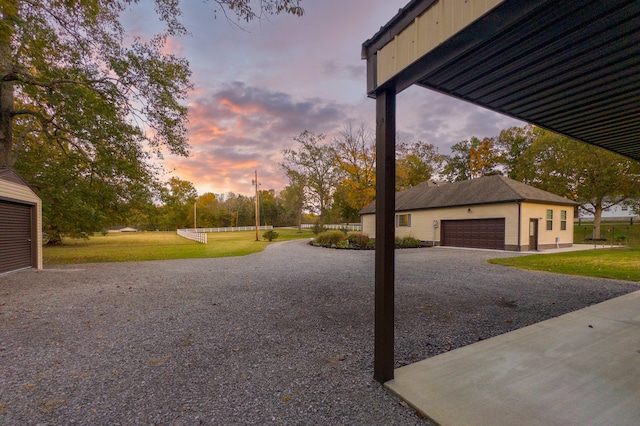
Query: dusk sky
(259,85)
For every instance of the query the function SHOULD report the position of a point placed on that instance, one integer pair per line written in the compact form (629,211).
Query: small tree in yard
(270,235)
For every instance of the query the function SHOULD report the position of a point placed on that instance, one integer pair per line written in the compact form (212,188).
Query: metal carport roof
(570,66)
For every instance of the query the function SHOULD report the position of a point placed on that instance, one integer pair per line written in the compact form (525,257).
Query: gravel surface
(280,337)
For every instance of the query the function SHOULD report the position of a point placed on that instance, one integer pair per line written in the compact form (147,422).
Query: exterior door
(533,234)
(474,233)
(15,236)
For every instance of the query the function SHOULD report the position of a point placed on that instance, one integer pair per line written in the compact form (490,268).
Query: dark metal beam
(383,362)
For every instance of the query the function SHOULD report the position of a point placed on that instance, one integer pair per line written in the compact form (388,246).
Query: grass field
(609,263)
(617,263)
(122,247)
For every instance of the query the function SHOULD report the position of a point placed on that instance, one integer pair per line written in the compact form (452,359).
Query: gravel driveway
(280,337)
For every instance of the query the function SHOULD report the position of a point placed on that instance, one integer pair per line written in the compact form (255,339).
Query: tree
(314,165)
(178,197)
(471,159)
(510,144)
(417,163)
(592,176)
(81,195)
(293,199)
(209,211)
(356,157)
(269,208)
(241,210)
(73,89)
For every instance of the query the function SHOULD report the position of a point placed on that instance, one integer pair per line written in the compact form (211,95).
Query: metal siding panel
(437,24)
(474,233)
(560,65)
(15,236)
(533,58)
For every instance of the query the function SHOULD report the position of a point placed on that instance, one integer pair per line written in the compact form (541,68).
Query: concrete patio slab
(576,369)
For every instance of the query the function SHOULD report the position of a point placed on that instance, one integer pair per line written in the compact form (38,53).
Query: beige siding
(368,222)
(16,192)
(422,223)
(436,25)
(547,239)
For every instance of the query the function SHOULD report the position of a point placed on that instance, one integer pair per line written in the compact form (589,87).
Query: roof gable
(9,175)
(486,190)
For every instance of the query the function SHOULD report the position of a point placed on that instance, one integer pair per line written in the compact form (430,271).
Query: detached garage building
(492,212)
(20,224)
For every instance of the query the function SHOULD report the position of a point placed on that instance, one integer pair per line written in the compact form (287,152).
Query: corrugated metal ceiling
(569,66)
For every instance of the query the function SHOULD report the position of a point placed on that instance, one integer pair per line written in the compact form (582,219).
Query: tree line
(330,181)
(336,179)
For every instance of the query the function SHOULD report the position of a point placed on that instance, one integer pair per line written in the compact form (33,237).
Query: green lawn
(617,263)
(609,231)
(122,247)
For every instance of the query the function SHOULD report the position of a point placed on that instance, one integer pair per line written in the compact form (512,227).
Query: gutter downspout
(519,225)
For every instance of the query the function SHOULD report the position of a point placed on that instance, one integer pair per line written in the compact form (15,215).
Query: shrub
(318,228)
(621,239)
(270,235)
(358,239)
(407,242)
(329,238)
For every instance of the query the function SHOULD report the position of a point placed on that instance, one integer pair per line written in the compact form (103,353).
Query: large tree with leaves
(75,90)
(416,163)
(471,159)
(592,176)
(355,156)
(313,164)
(510,144)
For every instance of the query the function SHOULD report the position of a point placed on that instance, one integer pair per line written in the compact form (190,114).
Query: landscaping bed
(356,240)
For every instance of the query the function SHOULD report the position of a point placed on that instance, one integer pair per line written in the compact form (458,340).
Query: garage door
(475,233)
(15,236)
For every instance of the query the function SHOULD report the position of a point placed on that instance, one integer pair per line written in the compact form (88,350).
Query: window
(625,208)
(549,220)
(563,220)
(403,220)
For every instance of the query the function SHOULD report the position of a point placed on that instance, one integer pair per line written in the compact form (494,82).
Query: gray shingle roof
(485,190)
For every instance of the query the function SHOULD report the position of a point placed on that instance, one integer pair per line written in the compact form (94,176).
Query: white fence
(190,234)
(230,229)
(347,226)
(200,234)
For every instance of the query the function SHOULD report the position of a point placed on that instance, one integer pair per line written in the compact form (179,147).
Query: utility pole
(194,216)
(257,206)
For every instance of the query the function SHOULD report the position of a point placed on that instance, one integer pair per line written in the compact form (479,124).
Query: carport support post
(383,358)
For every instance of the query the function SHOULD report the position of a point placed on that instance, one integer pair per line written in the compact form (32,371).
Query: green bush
(318,228)
(407,242)
(621,239)
(270,235)
(358,239)
(329,238)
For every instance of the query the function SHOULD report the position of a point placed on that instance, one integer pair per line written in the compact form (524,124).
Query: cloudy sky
(258,85)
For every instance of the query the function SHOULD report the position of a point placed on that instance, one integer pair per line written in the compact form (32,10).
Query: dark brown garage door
(15,236)
(475,233)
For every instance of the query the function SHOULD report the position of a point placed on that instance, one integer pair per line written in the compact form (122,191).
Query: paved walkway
(582,368)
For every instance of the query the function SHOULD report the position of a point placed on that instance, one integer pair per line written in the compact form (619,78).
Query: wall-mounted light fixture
(469,210)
